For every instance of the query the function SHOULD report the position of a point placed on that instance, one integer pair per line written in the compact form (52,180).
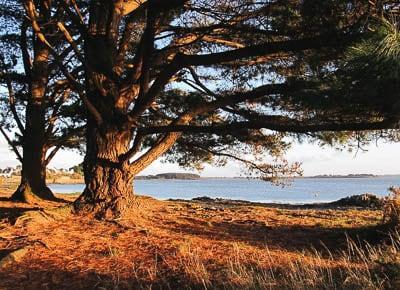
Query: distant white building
(9,171)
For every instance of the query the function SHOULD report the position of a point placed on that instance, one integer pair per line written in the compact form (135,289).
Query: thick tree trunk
(33,175)
(109,185)
(109,182)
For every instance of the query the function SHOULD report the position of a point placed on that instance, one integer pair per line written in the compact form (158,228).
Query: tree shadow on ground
(46,275)
(285,237)
(12,213)
(11,210)
(54,268)
(4,252)
(49,275)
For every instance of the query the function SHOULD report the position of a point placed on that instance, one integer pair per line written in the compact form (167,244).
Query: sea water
(301,190)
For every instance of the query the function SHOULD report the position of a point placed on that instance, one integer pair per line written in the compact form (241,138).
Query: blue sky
(383,158)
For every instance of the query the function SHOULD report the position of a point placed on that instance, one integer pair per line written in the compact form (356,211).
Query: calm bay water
(302,190)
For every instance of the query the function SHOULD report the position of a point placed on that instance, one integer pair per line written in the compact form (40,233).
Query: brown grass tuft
(391,207)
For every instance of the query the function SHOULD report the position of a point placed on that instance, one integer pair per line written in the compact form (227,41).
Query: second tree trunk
(33,175)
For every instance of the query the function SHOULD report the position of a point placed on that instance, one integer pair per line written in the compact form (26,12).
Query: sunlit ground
(181,245)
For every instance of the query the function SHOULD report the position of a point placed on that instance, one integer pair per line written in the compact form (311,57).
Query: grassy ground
(196,245)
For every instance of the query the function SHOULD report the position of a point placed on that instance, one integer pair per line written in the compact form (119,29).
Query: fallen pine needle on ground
(198,245)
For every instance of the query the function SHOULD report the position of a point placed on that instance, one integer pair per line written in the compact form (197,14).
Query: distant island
(189,176)
(343,176)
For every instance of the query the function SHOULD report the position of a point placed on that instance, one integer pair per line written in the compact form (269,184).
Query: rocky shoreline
(364,201)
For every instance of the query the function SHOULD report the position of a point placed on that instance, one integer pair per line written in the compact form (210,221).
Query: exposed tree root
(44,215)
(10,237)
(29,222)
(40,242)
(25,193)
(114,209)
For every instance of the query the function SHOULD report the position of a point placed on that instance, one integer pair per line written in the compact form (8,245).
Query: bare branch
(11,98)
(77,18)
(52,119)
(24,48)
(162,146)
(147,47)
(53,153)
(199,83)
(158,85)
(12,145)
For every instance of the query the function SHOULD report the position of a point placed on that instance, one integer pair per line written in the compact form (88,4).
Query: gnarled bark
(109,186)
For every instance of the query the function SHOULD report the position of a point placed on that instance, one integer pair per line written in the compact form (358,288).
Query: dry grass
(391,208)
(357,267)
(188,245)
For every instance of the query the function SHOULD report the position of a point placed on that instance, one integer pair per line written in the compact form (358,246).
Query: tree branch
(30,9)
(180,61)
(24,49)
(274,123)
(14,148)
(268,170)
(163,145)
(158,85)
(147,47)
(52,119)
(11,98)
(134,149)
(166,142)
(329,39)
(53,153)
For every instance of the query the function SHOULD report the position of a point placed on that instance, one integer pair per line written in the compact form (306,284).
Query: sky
(380,159)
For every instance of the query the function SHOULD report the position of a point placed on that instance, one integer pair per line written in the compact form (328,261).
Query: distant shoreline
(144,178)
(313,176)
(67,180)
(344,176)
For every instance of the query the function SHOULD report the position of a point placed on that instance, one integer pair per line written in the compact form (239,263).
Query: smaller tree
(39,108)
